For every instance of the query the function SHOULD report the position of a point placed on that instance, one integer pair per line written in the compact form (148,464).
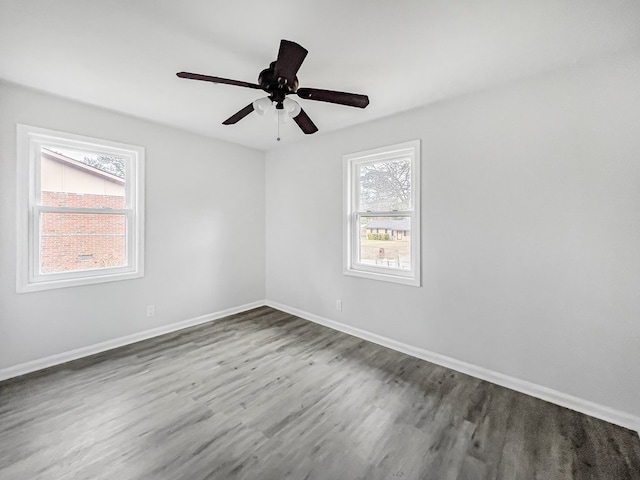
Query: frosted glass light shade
(263,105)
(291,107)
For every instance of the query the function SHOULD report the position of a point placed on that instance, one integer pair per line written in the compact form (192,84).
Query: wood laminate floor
(265,395)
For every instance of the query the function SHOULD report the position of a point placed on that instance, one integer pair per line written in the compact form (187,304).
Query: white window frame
(29,278)
(352,214)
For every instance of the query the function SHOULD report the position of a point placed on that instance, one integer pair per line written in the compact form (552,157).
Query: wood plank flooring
(265,395)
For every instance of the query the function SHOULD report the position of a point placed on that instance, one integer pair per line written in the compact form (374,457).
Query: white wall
(204,234)
(531,231)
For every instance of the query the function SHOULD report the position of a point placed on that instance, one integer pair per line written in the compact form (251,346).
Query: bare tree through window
(110,164)
(385,186)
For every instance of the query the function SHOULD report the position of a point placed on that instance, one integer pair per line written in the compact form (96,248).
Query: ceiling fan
(279,80)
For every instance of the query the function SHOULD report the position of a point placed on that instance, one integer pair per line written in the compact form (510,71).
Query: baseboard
(59,358)
(587,407)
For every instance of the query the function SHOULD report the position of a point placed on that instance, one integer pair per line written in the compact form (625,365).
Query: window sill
(38,286)
(384,277)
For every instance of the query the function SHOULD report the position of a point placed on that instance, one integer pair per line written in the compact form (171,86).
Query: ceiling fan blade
(290,57)
(342,98)
(236,117)
(305,123)
(208,78)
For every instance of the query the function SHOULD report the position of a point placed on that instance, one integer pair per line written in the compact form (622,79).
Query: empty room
(319,240)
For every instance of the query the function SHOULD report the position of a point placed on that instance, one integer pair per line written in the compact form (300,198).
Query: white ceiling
(123,54)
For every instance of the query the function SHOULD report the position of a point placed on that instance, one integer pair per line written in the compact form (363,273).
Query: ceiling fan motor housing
(277,87)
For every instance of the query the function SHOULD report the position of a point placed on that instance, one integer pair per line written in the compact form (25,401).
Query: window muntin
(81,210)
(382,199)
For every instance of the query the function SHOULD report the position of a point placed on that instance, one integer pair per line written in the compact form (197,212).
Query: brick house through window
(80,241)
(390,228)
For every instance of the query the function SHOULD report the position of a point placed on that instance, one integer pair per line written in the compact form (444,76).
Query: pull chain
(278,113)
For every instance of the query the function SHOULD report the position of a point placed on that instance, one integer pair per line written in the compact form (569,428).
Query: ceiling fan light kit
(280,80)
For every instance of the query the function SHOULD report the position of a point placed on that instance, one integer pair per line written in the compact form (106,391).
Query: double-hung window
(80,210)
(382,214)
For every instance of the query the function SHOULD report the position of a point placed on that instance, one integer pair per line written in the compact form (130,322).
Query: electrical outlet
(339,305)
(151,310)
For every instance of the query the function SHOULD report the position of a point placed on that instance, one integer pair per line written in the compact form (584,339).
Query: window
(80,210)
(382,220)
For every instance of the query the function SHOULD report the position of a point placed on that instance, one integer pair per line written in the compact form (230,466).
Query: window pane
(385,242)
(72,178)
(385,186)
(81,241)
